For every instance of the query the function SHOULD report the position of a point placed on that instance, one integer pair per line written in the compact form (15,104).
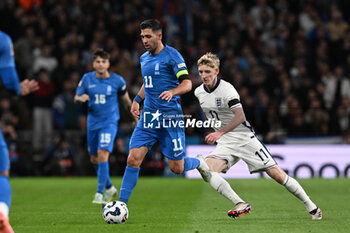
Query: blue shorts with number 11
(172,141)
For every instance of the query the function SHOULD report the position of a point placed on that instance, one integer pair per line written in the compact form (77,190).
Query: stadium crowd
(289,60)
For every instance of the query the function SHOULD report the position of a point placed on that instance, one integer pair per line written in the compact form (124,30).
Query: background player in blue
(165,77)
(10,80)
(102,89)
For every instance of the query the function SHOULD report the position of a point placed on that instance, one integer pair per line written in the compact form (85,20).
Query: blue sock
(102,174)
(5,190)
(108,181)
(190,163)
(131,175)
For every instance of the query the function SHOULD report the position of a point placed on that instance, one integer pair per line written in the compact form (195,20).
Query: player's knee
(133,161)
(5,173)
(277,174)
(102,156)
(177,169)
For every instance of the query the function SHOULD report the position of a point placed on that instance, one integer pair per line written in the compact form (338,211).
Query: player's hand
(213,137)
(135,109)
(166,95)
(84,97)
(28,86)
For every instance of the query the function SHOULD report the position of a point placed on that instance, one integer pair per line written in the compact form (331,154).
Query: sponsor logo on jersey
(218,102)
(92,86)
(181,65)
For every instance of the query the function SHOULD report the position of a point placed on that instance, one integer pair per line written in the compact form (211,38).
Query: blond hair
(209,59)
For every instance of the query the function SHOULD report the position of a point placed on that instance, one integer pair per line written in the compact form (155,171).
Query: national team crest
(218,101)
(156,69)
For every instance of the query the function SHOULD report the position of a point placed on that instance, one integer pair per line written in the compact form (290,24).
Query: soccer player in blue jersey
(10,80)
(102,89)
(165,77)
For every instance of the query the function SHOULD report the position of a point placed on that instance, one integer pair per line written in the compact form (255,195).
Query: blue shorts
(172,142)
(101,139)
(4,154)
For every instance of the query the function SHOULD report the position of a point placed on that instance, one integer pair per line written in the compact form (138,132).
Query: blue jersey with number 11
(160,73)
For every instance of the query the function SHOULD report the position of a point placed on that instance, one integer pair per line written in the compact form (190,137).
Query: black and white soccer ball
(115,212)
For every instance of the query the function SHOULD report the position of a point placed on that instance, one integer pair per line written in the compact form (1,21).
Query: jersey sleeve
(178,64)
(122,87)
(81,86)
(232,97)
(8,71)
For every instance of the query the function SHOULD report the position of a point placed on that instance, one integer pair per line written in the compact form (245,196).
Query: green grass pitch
(177,205)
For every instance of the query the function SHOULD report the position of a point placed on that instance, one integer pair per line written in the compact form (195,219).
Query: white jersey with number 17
(218,104)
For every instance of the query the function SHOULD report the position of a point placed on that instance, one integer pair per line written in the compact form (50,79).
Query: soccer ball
(115,212)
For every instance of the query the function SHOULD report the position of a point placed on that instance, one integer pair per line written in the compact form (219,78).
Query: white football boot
(316,214)
(239,209)
(98,199)
(110,193)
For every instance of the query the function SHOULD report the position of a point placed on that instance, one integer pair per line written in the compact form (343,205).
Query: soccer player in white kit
(236,140)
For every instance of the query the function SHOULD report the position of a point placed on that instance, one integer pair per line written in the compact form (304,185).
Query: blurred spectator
(59,158)
(65,113)
(45,60)
(42,113)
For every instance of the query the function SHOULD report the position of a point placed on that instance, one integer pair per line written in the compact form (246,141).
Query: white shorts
(254,154)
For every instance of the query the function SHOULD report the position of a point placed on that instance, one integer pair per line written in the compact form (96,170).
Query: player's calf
(203,168)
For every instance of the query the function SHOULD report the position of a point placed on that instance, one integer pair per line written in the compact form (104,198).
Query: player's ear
(217,70)
(160,36)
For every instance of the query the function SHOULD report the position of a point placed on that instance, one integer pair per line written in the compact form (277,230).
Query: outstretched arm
(81,98)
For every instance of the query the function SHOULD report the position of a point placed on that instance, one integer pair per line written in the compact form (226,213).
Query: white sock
(295,188)
(4,209)
(224,188)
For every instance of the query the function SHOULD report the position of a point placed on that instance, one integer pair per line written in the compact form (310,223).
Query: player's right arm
(80,94)
(237,119)
(135,106)
(81,98)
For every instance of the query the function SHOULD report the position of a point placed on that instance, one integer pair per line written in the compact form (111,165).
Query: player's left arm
(11,82)
(126,101)
(184,87)
(8,73)
(178,66)
(239,118)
